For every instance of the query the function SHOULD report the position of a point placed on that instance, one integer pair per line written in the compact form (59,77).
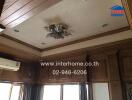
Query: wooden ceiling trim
(128,10)
(14,8)
(28,11)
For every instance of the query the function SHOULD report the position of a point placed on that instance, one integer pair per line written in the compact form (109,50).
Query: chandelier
(57,31)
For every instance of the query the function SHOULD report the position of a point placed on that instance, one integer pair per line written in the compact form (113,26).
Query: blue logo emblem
(117,11)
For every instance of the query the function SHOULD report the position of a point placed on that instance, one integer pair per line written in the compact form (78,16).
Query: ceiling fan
(57,28)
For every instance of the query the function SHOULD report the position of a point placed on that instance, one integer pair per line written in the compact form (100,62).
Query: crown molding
(89,43)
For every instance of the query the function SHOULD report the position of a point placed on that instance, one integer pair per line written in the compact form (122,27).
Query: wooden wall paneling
(126,64)
(98,73)
(115,83)
(128,9)
(46,76)
(113,67)
(25,74)
(115,90)
(106,55)
(77,58)
(1,6)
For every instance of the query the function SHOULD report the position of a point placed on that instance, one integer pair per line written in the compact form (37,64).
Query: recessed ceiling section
(84,18)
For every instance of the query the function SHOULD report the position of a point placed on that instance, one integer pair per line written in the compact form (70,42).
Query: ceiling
(84,17)
(16,11)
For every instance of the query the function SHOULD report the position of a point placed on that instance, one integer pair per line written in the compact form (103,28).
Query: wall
(115,67)
(115,61)
(25,74)
(107,55)
(45,73)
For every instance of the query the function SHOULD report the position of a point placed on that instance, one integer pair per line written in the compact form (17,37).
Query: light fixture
(2,27)
(105,25)
(16,30)
(43,43)
(57,31)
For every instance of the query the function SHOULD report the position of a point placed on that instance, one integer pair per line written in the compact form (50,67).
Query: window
(51,92)
(70,92)
(9,91)
(100,91)
(5,91)
(76,92)
(61,92)
(15,93)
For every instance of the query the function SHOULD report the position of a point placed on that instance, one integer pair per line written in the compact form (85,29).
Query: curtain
(83,92)
(27,89)
(31,92)
(37,92)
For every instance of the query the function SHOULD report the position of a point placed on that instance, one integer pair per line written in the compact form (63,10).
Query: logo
(117,11)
